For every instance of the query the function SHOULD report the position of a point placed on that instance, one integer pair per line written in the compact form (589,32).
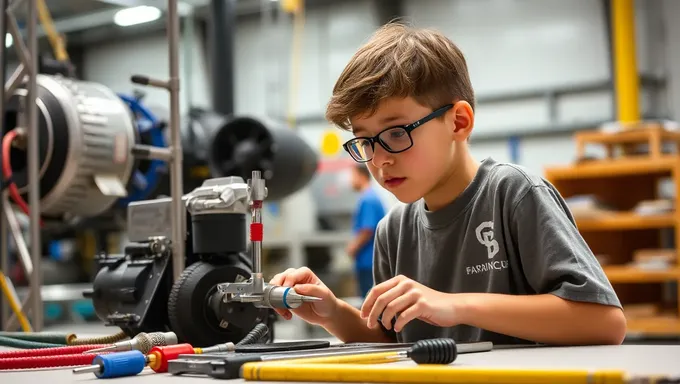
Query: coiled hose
(47,361)
(17,339)
(256,335)
(74,340)
(71,350)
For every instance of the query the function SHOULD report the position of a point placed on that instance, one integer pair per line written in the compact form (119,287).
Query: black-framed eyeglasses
(394,139)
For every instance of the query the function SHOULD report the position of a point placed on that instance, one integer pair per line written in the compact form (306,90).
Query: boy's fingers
(382,302)
(279,277)
(312,290)
(397,305)
(283,312)
(405,317)
(373,295)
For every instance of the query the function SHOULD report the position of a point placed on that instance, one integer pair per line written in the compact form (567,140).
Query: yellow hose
(14,304)
(56,40)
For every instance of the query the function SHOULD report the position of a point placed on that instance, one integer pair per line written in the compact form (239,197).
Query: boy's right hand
(305,282)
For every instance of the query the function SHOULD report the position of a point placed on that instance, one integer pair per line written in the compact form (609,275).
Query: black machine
(220,295)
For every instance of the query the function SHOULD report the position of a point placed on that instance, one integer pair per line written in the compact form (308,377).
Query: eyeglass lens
(393,140)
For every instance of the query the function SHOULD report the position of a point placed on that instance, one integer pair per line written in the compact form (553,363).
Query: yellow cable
(424,373)
(298,9)
(16,307)
(56,40)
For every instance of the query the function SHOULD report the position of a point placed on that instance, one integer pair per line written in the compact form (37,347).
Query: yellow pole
(626,80)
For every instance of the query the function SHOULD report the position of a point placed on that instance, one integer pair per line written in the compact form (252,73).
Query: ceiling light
(9,40)
(136,15)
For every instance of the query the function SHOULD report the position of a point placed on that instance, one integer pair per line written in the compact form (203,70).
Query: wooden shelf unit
(621,183)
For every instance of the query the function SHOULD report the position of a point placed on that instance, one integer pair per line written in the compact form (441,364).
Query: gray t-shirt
(508,232)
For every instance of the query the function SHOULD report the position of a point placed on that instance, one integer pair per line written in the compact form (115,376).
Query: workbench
(634,359)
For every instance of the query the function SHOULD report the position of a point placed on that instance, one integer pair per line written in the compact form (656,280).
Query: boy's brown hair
(400,61)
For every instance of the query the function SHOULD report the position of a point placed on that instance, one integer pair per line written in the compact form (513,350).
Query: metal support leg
(176,182)
(4,262)
(33,167)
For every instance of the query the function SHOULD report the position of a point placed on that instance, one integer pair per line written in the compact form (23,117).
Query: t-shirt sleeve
(370,213)
(554,256)
(381,266)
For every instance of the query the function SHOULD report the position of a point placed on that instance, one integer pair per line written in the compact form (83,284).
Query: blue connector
(118,364)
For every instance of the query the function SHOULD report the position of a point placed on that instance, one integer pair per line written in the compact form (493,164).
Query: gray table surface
(634,359)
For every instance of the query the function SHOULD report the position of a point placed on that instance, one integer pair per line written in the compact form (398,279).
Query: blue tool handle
(120,364)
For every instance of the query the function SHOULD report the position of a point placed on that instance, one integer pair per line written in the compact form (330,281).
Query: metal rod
(150,152)
(4,261)
(178,209)
(4,266)
(22,50)
(33,164)
(14,81)
(15,229)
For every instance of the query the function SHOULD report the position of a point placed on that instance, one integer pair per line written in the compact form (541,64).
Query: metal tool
(229,366)
(255,290)
(143,342)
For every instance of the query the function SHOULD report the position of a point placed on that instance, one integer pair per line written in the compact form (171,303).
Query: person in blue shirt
(369,212)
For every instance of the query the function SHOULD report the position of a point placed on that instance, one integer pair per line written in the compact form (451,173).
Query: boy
(480,251)
(369,212)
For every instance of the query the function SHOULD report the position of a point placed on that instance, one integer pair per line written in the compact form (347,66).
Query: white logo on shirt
(486,237)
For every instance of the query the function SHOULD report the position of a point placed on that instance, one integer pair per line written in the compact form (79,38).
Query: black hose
(256,335)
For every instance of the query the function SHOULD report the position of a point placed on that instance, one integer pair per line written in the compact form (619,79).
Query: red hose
(7,171)
(47,361)
(71,350)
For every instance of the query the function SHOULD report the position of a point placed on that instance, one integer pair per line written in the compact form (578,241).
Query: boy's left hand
(411,300)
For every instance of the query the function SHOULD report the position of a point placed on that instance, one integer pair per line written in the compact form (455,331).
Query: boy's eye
(397,133)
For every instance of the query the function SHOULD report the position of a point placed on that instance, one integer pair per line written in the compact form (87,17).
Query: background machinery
(97,170)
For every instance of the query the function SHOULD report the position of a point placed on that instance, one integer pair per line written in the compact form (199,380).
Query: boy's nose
(381,157)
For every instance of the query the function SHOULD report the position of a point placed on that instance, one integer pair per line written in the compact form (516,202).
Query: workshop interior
(163,160)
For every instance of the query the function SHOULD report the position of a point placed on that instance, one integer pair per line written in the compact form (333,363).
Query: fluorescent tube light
(136,15)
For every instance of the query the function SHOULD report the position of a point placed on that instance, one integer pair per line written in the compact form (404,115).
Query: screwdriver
(143,342)
(430,351)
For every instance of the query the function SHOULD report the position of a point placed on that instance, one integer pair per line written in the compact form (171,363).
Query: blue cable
(145,183)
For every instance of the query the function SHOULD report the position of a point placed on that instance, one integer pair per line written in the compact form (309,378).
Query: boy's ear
(463,119)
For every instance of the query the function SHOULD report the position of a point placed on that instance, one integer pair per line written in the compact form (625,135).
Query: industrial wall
(541,68)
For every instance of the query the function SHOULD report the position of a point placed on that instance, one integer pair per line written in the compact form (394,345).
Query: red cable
(47,361)
(70,350)
(7,171)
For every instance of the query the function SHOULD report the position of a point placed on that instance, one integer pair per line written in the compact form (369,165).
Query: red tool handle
(166,353)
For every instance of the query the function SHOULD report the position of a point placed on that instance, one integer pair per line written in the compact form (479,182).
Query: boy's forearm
(348,326)
(543,318)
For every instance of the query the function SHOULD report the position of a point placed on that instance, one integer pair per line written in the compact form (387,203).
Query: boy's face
(411,174)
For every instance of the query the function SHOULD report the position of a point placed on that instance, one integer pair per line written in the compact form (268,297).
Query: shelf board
(635,135)
(614,167)
(632,274)
(657,325)
(625,220)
